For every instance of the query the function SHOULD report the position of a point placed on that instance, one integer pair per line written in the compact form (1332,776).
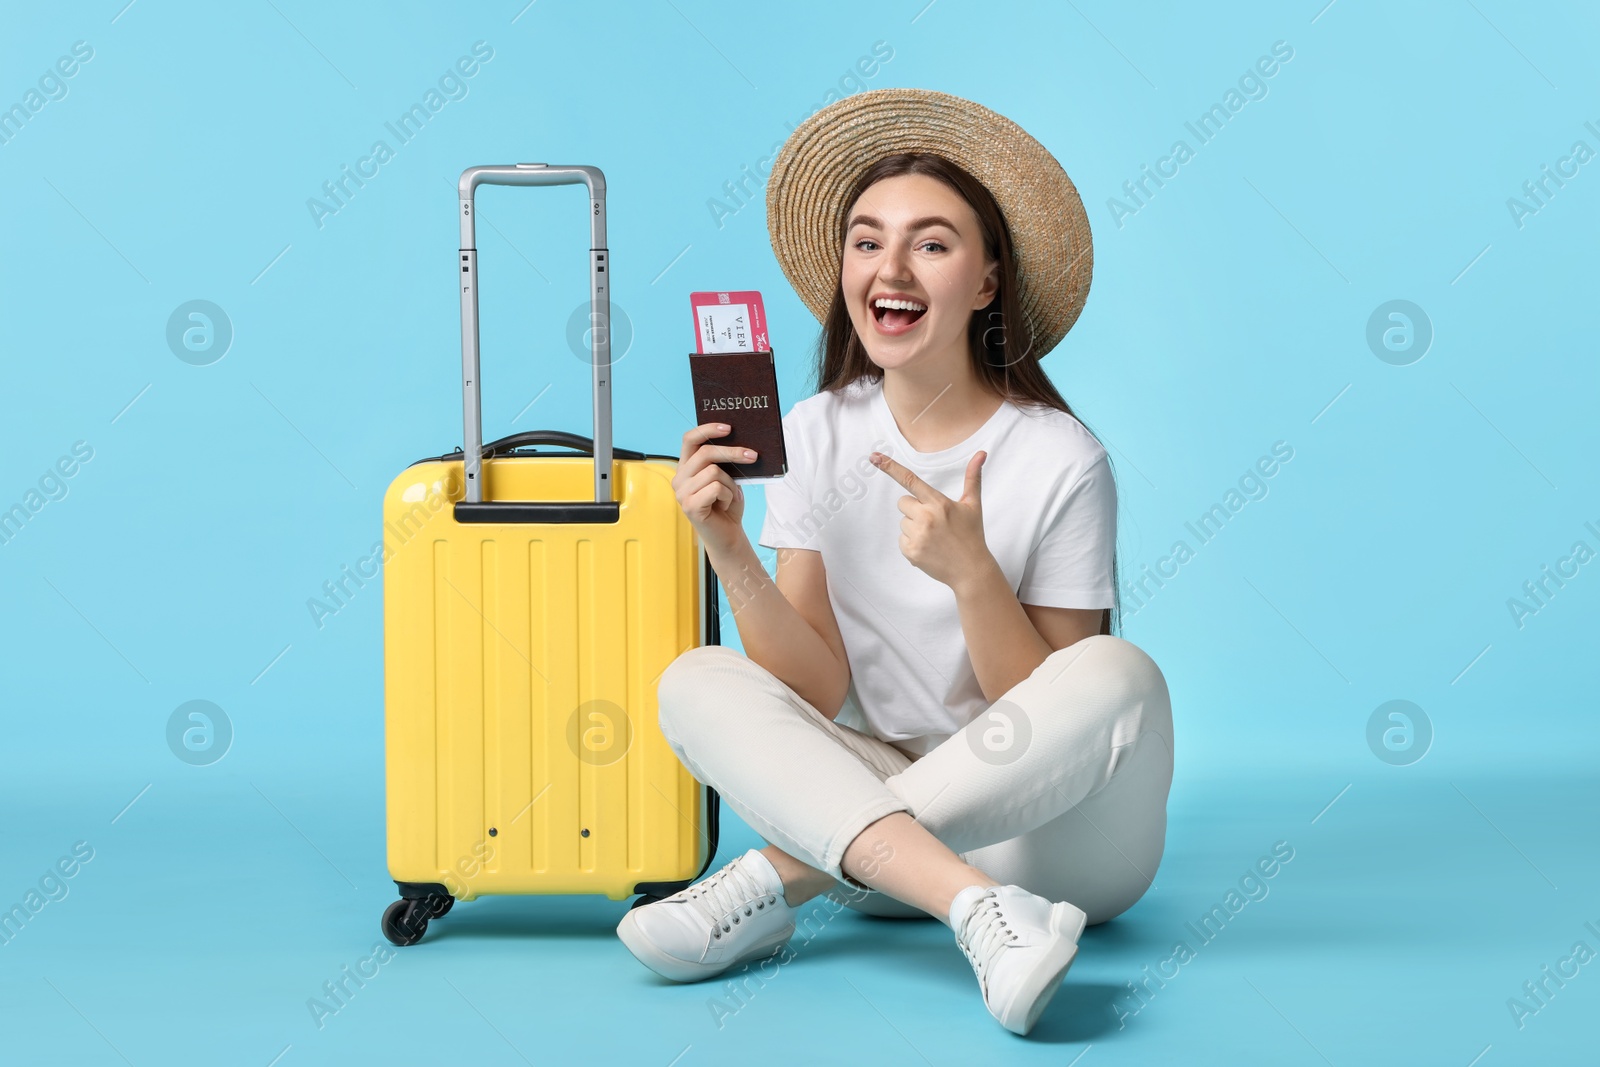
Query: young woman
(931,707)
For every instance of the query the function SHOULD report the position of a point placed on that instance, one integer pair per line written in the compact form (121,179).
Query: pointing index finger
(906,477)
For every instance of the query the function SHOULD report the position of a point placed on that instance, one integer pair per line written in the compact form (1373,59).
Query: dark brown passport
(741,389)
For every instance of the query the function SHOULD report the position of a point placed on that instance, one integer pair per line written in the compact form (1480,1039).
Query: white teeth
(903,305)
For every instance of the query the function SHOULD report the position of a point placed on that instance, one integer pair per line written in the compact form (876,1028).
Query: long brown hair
(998,335)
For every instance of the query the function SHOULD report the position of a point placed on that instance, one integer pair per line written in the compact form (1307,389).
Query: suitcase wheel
(405,921)
(644,898)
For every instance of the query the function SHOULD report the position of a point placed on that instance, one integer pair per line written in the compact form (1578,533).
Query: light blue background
(1229,313)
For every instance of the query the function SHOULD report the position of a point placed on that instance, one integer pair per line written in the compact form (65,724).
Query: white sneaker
(1020,946)
(735,915)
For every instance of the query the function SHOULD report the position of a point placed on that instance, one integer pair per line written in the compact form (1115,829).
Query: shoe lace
(982,933)
(727,896)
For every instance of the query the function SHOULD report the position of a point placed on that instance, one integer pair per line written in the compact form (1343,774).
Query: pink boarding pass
(729,322)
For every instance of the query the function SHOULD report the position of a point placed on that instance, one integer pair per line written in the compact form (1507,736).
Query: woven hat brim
(825,155)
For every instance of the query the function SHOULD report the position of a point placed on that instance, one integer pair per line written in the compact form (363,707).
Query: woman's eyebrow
(916,224)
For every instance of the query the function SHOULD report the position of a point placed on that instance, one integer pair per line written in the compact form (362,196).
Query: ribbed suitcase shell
(504,774)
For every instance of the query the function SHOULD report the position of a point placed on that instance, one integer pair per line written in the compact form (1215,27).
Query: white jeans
(1060,787)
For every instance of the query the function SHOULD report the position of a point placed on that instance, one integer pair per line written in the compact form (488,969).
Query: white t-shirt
(1049,519)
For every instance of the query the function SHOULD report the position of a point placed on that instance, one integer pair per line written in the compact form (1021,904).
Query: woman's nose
(896,264)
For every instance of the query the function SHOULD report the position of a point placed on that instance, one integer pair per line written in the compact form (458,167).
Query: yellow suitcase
(531,602)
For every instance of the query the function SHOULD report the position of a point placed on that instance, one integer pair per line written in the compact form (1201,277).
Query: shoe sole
(667,966)
(1028,1003)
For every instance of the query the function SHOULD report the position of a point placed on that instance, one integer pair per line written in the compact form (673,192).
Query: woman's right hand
(712,500)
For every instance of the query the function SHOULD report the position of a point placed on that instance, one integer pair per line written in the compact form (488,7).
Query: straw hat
(826,153)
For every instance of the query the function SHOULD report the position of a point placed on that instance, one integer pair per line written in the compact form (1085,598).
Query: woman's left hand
(941,537)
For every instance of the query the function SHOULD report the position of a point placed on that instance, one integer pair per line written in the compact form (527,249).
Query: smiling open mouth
(895,319)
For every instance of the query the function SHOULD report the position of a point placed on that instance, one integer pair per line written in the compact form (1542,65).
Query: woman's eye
(925,244)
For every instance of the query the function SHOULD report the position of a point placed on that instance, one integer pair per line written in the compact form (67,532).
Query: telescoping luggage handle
(475,508)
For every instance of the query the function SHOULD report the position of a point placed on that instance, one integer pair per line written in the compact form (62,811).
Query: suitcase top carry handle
(477,509)
(529,438)
(514,445)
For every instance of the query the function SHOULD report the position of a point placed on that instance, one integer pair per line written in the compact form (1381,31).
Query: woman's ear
(991,286)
